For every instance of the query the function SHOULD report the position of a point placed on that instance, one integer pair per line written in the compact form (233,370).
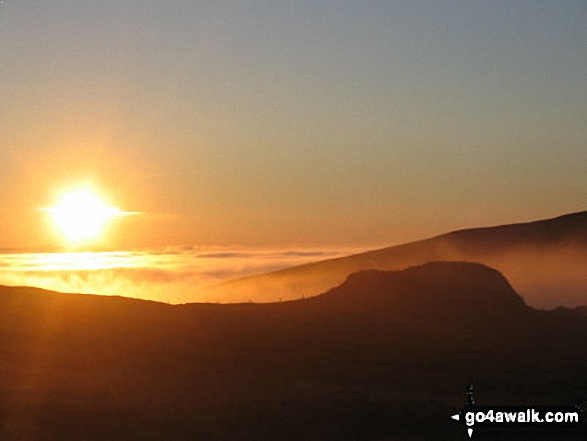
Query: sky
(292,124)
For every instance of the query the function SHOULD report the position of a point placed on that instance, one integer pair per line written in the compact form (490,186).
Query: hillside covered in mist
(544,260)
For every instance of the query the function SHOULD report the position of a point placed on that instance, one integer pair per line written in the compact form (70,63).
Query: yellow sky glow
(81,215)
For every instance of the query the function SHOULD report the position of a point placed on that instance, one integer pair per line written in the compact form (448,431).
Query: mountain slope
(544,260)
(386,355)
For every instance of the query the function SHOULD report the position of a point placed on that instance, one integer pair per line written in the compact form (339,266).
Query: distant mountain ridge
(568,229)
(544,260)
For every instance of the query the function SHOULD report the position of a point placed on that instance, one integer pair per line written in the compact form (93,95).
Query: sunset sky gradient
(304,124)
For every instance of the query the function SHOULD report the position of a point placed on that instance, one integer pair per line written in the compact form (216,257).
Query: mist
(173,275)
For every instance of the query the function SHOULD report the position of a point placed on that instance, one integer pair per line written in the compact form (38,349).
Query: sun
(81,215)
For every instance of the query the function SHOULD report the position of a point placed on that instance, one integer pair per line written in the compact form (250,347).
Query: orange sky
(262,124)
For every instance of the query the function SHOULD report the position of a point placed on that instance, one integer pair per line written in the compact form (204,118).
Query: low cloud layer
(172,275)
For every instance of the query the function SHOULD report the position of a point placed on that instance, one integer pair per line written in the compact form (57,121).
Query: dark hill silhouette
(437,289)
(386,355)
(544,260)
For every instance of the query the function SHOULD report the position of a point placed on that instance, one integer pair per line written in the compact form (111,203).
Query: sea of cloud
(173,275)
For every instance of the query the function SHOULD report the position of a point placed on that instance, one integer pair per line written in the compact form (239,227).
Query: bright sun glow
(81,215)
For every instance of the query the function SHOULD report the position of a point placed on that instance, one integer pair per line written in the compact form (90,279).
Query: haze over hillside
(385,355)
(544,260)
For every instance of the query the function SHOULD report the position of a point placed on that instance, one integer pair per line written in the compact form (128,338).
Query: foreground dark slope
(544,260)
(386,355)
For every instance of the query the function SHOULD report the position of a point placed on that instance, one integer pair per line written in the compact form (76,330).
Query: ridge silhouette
(544,260)
(385,355)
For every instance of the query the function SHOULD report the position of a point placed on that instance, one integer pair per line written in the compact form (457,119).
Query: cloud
(172,275)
